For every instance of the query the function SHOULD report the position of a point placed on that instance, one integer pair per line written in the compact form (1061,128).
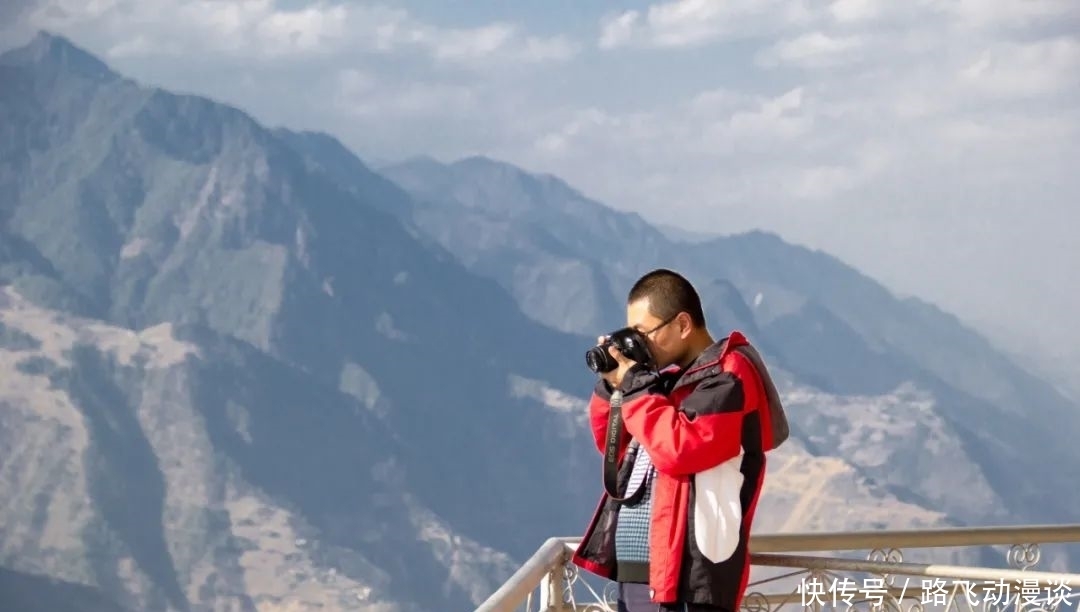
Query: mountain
(991,401)
(245,370)
(565,258)
(253,386)
(816,317)
(679,234)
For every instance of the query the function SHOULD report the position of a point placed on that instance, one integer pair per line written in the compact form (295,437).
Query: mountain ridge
(190,212)
(760,240)
(332,401)
(900,337)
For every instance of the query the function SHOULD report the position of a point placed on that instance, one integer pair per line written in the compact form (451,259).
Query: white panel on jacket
(717,509)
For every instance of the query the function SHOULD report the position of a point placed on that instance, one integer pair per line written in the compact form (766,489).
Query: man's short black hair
(669,294)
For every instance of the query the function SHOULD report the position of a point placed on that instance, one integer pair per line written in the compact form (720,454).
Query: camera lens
(599,360)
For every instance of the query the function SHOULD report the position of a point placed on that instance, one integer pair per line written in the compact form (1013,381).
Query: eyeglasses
(657,328)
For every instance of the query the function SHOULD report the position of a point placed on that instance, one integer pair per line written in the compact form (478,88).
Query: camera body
(627,341)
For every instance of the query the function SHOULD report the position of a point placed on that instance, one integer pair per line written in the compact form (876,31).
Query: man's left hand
(615,377)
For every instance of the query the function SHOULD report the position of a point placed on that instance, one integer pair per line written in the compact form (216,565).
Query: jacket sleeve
(704,431)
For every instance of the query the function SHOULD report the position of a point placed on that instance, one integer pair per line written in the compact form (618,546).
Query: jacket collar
(711,356)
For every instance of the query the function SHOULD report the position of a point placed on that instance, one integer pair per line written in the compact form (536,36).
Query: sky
(930,143)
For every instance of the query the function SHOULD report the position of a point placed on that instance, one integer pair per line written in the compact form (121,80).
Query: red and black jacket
(688,421)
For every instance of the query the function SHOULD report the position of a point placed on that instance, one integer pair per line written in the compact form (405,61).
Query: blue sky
(931,143)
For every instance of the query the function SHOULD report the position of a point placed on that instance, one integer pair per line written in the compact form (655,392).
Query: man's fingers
(617,355)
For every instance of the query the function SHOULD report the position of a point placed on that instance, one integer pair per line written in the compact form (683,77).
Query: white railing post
(533,573)
(552,587)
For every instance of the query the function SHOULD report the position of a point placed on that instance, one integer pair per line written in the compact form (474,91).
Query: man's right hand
(615,377)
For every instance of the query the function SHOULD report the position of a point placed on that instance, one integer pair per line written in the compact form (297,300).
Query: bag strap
(615,430)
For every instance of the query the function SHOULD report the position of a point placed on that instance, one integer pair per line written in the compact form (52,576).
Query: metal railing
(548,581)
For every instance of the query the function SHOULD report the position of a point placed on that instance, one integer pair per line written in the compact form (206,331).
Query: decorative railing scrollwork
(1024,556)
(882,581)
(883,555)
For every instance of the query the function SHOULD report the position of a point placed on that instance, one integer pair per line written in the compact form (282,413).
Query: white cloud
(471,44)
(360,95)
(539,49)
(812,50)
(821,182)
(618,30)
(770,147)
(869,129)
(1031,69)
(689,23)
(497,41)
(1010,14)
(855,11)
(195,27)
(768,123)
(263,30)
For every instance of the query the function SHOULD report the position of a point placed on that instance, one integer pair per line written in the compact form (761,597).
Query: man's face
(666,339)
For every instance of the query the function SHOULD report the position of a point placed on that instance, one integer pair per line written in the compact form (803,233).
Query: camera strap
(615,430)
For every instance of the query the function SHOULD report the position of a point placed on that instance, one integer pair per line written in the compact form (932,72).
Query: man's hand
(615,377)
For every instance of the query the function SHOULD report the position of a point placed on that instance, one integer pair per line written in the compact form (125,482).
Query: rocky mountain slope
(329,351)
(173,467)
(242,370)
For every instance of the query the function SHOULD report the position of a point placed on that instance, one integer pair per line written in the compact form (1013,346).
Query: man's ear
(686,325)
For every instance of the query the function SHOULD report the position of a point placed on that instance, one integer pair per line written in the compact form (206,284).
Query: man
(702,415)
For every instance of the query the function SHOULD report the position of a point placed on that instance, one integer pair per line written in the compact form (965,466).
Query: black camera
(627,341)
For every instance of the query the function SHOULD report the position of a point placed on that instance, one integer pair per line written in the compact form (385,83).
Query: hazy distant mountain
(566,259)
(678,234)
(242,370)
(825,322)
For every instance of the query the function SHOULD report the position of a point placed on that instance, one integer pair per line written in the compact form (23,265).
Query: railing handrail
(517,588)
(1002,535)
(931,570)
(555,552)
